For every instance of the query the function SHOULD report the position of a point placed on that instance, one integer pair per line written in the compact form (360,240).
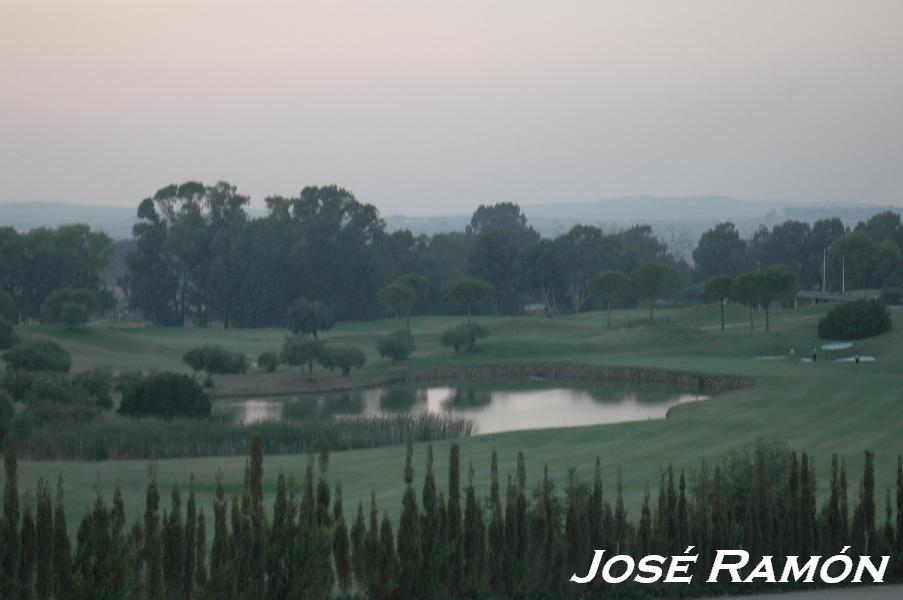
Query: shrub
(305,316)
(98,384)
(302,350)
(268,361)
(73,314)
(892,295)
(344,359)
(8,311)
(397,345)
(215,360)
(855,320)
(8,337)
(163,395)
(56,388)
(6,414)
(42,355)
(17,384)
(463,336)
(52,308)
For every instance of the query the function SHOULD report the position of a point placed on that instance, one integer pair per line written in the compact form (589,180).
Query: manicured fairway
(821,408)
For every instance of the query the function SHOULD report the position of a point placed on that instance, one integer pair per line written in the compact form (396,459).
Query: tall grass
(148,438)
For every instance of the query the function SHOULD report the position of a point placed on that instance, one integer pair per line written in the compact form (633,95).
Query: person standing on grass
(856,358)
(814,355)
(792,353)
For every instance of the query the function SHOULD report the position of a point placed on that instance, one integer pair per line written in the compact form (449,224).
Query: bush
(854,321)
(302,350)
(215,360)
(8,311)
(463,336)
(52,308)
(8,337)
(397,345)
(42,355)
(73,314)
(17,384)
(7,410)
(268,361)
(344,359)
(163,395)
(892,295)
(98,384)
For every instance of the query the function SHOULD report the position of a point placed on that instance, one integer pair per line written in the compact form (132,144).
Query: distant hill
(672,218)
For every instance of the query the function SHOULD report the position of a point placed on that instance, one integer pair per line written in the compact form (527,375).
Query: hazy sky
(435,107)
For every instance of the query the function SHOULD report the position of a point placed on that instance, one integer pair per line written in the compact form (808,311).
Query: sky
(428,107)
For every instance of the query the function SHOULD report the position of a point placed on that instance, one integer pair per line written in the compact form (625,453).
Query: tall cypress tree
(340,549)
(152,557)
(9,567)
(889,541)
(644,533)
(474,541)
(867,505)
(44,536)
(671,519)
(358,552)
(388,563)
(119,564)
(900,505)
(200,556)
(793,526)
(429,528)
(683,522)
(257,542)
(174,548)
(620,522)
(595,508)
(279,555)
(833,530)
(577,539)
(221,568)
(844,505)
(409,555)
(497,549)
(191,538)
(373,553)
(62,557)
(28,554)
(456,563)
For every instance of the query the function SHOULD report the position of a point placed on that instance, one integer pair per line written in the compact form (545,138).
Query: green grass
(819,409)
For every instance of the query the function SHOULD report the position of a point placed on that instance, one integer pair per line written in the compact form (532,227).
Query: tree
(54,307)
(397,345)
(164,395)
(409,552)
(38,355)
(9,558)
(340,546)
(303,350)
(399,298)
(718,289)
(653,281)
(306,316)
(344,359)
(747,290)
(779,283)
(44,535)
(8,310)
(463,336)
(268,361)
(610,286)
(73,314)
(495,258)
(720,252)
(468,292)
(8,337)
(62,560)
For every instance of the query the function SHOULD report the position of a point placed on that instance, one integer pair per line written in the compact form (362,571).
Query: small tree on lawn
(611,286)
(718,289)
(397,345)
(400,299)
(779,283)
(467,292)
(302,350)
(653,281)
(73,314)
(311,317)
(747,290)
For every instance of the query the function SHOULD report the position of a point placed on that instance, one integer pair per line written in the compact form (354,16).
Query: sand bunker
(863,358)
(837,346)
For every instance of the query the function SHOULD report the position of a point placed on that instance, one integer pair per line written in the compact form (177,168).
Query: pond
(492,407)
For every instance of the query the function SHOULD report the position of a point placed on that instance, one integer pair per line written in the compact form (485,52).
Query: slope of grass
(823,408)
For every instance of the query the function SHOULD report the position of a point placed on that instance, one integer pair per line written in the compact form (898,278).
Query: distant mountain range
(672,218)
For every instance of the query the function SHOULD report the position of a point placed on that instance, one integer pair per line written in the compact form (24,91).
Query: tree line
(452,543)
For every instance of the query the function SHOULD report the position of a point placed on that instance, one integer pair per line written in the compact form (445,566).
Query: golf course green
(819,408)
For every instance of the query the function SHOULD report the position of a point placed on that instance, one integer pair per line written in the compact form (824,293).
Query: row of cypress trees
(516,542)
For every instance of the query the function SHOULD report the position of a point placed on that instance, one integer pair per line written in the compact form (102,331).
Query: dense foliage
(397,345)
(268,361)
(8,337)
(522,541)
(163,395)
(39,355)
(343,359)
(53,308)
(855,320)
(215,360)
(463,336)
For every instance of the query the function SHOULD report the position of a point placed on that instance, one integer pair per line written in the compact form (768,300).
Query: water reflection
(492,407)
